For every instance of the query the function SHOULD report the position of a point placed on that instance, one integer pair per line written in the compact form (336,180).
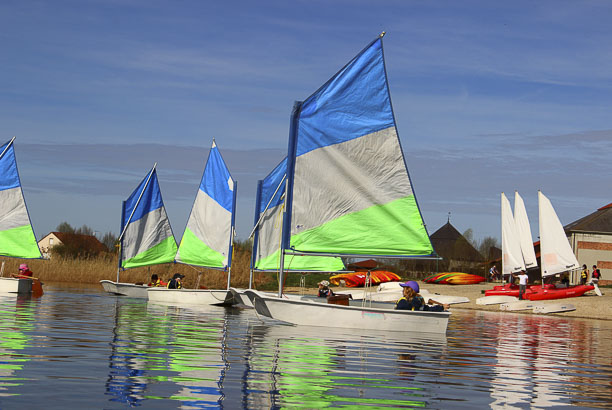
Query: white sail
(512,258)
(556,253)
(524,232)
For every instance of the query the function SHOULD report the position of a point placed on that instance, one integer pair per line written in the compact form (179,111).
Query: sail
(16,234)
(207,240)
(271,197)
(512,258)
(556,254)
(524,232)
(350,192)
(147,237)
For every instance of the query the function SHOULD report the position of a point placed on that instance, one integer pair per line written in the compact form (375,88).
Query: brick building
(591,240)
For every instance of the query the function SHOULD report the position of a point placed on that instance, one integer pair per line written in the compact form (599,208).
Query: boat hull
(310,313)
(15,285)
(125,289)
(559,293)
(215,297)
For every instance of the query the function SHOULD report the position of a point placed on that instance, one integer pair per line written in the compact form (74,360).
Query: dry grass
(93,270)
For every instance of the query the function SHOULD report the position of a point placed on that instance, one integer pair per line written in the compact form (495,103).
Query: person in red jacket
(24,272)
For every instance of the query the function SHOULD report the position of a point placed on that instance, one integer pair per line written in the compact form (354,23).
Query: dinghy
(146,237)
(17,239)
(556,255)
(554,308)
(349,194)
(209,235)
(495,300)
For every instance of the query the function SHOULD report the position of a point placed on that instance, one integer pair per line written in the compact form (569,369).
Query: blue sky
(488,97)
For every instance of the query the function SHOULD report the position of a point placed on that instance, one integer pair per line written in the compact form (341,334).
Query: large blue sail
(16,234)
(350,192)
(146,235)
(207,240)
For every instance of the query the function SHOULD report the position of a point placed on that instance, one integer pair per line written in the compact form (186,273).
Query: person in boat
(523,278)
(584,275)
(411,299)
(24,272)
(175,282)
(324,290)
(595,275)
(156,281)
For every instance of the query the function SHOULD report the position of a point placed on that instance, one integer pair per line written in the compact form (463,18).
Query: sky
(489,97)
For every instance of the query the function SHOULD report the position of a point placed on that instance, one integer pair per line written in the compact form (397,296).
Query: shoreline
(588,306)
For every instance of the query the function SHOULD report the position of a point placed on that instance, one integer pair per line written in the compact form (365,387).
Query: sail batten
(17,237)
(207,241)
(350,192)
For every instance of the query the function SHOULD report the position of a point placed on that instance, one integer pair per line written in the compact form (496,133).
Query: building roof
(450,244)
(86,242)
(598,221)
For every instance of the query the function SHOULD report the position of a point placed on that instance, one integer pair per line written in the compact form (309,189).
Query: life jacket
(596,273)
(584,274)
(28,273)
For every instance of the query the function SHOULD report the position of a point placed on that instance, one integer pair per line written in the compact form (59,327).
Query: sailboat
(146,237)
(17,238)
(556,255)
(523,229)
(209,234)
(266,234)
(349,194)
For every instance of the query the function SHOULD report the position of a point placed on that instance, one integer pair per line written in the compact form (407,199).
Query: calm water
(81,348)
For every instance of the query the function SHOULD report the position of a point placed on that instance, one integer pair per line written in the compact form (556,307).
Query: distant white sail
(524,232)
(512,260)
(556,253)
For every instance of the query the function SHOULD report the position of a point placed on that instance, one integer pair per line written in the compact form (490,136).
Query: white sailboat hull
(14,285)
(494,300)
(191,296)
(309,313)
(125,289)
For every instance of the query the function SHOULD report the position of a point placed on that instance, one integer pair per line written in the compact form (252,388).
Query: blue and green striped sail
(351,192)
(207,240)
(269,212)
(147,237)
(17,237)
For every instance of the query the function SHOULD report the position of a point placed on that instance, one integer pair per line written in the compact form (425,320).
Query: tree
(469,235)
(486,244)
(85,230)
(110,240)
(65,227)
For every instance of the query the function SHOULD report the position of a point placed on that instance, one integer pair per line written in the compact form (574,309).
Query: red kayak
(558,293)
(510,289)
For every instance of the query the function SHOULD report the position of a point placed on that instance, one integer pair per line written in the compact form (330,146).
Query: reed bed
(104,266)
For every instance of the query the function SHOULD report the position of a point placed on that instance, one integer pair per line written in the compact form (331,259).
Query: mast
(232,234)
(286,235)
(255,232)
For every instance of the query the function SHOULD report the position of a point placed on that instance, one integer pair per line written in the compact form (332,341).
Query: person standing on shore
(595,275)
(523,278)
(584,275)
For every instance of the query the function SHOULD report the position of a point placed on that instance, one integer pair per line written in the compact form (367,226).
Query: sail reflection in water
(16,318)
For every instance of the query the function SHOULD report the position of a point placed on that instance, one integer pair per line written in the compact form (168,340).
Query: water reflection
(74,349)
(16,318)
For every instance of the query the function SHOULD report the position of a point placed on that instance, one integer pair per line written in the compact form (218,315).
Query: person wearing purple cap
(24,272)
(411,299)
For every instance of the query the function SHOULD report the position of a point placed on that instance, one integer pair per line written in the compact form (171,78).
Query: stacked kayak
(536,292)
(454,278)
(358,279)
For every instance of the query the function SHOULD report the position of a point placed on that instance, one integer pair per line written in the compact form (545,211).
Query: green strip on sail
(193,251)
(161,253)
(19,243)
(359,232)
